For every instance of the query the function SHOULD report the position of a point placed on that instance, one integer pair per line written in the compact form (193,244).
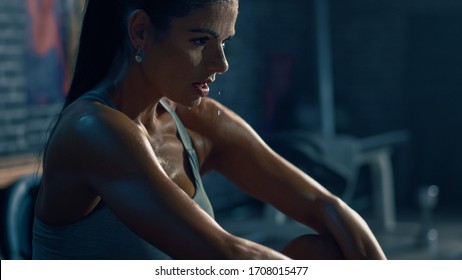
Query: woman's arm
(241,155)
(115,158)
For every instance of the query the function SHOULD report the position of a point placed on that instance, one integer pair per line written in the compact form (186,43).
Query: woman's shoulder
(91,128)
(209,117)
(220,125)
(89,117)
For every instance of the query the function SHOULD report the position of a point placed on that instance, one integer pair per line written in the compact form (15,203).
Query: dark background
(396,66)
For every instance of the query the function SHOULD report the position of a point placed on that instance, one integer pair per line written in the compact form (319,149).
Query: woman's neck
(126,88)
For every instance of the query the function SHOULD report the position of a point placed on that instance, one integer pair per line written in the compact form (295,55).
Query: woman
(121,169)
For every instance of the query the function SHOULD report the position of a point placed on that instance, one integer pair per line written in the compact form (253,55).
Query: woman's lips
(202,89)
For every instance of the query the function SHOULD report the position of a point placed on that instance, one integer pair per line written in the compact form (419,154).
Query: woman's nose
(217,61)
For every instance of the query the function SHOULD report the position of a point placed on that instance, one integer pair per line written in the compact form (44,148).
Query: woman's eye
(223,44)
(200,41)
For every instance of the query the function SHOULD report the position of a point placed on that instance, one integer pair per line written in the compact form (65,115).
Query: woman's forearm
(351,232)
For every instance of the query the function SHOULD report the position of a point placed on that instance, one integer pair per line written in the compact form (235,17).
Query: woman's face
(182,65)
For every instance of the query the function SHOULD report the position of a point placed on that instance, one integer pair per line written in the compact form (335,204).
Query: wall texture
(398,66)
(12,78)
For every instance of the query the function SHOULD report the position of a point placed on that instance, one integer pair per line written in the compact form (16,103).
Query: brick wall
(23,126)
(371,41)
(398,65)
(12,79)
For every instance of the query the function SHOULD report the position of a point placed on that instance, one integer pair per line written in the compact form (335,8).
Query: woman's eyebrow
(210,32)
(205,30)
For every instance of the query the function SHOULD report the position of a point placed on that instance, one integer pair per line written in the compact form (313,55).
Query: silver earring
(138,56)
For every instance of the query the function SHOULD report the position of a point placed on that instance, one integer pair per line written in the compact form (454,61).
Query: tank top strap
(200,196)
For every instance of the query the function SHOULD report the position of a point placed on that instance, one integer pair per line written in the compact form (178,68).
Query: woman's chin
(192,103)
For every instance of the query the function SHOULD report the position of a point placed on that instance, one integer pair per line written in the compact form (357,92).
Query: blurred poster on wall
(52,32)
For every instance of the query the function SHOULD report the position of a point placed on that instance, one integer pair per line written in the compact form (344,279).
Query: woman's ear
(138,25)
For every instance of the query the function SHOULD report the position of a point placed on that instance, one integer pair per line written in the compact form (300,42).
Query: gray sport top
(101,235)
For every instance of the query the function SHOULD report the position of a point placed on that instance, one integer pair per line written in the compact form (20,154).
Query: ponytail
(100,38)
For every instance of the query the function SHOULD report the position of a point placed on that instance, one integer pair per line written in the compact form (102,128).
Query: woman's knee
(313,246)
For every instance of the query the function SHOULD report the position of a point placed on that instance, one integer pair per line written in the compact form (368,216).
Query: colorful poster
(52,27)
